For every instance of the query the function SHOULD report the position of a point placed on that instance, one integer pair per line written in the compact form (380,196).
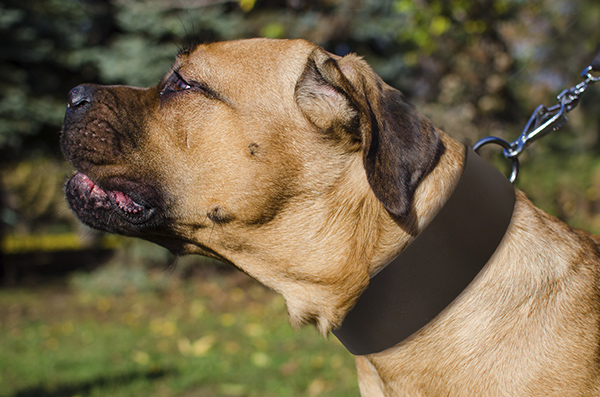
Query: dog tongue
(126,203)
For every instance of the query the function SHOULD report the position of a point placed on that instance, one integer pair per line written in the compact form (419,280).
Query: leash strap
(437,266)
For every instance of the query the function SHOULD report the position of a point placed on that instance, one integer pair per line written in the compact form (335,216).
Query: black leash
(544,120)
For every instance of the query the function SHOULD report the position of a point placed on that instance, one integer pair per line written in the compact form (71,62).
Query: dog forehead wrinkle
(253,60)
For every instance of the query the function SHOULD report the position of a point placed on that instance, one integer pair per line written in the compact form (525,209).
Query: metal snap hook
(507,148)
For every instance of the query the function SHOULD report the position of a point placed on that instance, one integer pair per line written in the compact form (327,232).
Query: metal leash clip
(544,120)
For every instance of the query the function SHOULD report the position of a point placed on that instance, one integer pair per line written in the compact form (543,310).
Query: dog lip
(88,199)
(130,209)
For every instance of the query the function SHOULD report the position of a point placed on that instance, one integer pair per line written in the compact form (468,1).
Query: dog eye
(181,85)
(176,83)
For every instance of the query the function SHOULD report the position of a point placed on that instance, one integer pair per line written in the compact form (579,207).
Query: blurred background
(83,313)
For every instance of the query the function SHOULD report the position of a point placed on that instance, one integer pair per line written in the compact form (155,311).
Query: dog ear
(323,94)
(400,146)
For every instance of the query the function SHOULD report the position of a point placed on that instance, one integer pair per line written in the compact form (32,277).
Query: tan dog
(314,174)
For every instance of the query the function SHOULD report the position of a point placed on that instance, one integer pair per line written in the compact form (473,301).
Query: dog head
(271,155)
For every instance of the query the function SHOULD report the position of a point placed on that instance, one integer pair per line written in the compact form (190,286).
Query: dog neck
(352,237)
(433,270)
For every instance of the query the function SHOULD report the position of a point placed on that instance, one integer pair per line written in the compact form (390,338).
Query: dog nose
(80,95)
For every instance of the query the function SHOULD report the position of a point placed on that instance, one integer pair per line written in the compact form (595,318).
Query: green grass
(223,336)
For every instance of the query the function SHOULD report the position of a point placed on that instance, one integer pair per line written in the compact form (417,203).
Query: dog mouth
(111,210)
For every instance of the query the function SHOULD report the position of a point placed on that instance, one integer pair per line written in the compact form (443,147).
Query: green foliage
(33,196)
(35,37)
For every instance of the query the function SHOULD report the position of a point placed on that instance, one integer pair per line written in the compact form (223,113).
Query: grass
(220,336)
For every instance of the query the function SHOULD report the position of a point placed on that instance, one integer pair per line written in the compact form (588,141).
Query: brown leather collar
(437,266)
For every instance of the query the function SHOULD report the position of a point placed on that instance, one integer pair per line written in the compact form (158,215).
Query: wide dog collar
(437,266)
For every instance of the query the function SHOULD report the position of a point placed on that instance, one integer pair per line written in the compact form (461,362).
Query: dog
(309,173)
